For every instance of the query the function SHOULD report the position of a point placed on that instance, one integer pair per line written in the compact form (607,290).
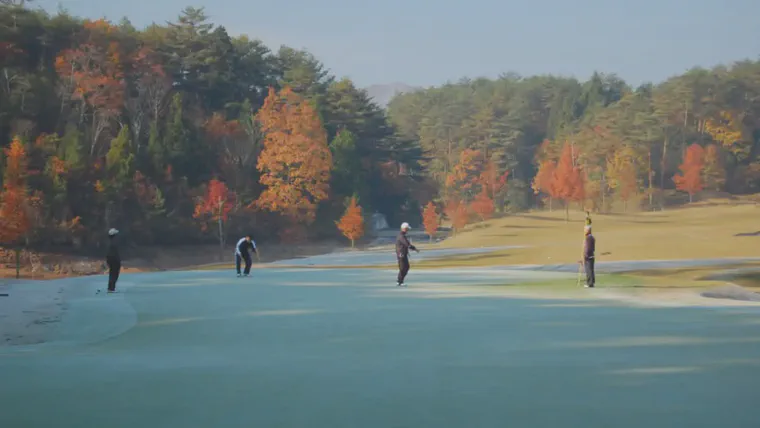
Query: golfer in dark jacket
(113,260)
(589,247)
(241,253)
(402,253)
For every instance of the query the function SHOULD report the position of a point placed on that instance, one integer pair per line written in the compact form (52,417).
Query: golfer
(589,247)
(402,253)
(113,260)
(241,253)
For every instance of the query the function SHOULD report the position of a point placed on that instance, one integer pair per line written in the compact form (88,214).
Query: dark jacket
(589,247)
(403,245)
(112,255)
(242,247)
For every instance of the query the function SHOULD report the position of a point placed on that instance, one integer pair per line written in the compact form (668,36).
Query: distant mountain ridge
(383,93)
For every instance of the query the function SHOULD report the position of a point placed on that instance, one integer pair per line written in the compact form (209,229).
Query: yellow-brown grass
(709,230)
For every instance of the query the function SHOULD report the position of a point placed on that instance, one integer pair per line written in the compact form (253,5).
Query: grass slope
(710,230)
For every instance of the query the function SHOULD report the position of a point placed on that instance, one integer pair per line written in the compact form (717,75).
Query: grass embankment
(710,230)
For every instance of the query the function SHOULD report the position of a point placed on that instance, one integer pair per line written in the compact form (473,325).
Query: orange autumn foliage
(483,205)
(351,225)
(214,206)
(457,213)
(690,179)
(430,219)
(568,180)
(14,220)
(94,71)
(216,203)
(218,128)
(295,162)
(491,181)
(543,182)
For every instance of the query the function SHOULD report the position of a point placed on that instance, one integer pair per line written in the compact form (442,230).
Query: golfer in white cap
(402,253)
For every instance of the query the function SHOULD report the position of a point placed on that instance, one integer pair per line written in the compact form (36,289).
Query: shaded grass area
(749,280)
(697,276)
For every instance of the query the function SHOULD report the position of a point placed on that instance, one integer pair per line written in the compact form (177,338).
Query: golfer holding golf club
(589,247)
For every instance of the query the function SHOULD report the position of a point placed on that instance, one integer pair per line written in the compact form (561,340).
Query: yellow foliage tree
(295,163)
(726,130)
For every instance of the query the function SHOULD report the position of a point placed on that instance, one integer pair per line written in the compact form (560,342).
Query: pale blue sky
(427,42)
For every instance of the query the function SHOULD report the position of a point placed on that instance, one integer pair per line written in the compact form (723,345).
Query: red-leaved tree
(430,219)
(493,184)
(215,206)
(543,182)
(457,213)
(483,205)
(690,179)
(568,180)
(14,218)
(351,225)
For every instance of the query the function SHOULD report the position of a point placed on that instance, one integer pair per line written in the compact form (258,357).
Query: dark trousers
(248,262)
(114,268)
(403,268)
(588,266)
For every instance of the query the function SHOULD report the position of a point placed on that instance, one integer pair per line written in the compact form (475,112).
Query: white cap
(405,226)
(112,232)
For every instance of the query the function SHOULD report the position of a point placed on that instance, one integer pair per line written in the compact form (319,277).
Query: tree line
(601,143)
(181,133)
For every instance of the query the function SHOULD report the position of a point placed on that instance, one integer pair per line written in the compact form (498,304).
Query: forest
(601,144)
(182,134)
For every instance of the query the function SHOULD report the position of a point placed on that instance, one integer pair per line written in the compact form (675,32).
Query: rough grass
(714,229)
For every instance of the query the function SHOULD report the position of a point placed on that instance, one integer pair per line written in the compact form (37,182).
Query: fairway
(711,230)
(346,348)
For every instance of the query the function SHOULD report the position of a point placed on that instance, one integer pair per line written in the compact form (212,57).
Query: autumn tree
(92,75)
(482,205)
(351,225)
(568,180)
(622,175)
(295,162)
(430,219)
(457,213)
(726,130)
(464,180)
(14,219)
(544,181)
(148,88)
(690,179)
(714,174)
(493,183)
(215,206)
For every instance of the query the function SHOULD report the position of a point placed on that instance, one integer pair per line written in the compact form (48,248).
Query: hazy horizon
(423,43)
